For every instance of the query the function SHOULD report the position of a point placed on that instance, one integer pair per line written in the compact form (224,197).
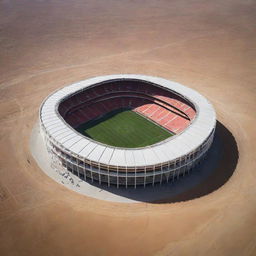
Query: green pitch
(124,128)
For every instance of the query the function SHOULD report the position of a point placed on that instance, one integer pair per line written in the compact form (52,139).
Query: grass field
(124,128)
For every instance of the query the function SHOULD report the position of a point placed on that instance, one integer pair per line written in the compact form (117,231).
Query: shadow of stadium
(213,173)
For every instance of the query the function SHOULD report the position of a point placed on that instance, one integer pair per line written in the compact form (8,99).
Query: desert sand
(206,45)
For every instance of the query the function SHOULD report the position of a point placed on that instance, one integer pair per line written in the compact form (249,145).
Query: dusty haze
(45,45)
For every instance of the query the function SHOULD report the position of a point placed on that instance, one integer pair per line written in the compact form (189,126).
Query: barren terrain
(206,45)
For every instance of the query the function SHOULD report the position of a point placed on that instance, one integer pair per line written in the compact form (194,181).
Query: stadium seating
(162,107)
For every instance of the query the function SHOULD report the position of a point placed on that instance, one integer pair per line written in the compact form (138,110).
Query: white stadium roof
(69,139)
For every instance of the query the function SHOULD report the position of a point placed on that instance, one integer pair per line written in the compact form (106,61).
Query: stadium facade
(179,109)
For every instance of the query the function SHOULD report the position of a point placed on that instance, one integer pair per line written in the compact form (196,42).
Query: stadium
(127,130)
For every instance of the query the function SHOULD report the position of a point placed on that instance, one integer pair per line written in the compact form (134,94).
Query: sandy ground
(207,45)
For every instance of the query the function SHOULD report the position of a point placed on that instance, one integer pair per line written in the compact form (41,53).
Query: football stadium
(127,130)
(108,135)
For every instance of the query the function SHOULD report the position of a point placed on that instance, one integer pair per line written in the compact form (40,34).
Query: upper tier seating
(162,107)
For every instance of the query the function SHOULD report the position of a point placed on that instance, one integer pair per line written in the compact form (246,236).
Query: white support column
(185,167)
(126,180)
(72,165)
(77,167)
(135,178)
(161,178)
(174,172)
(145,177)
(91,171)
(117,178)
(99,173)
(84,171)
(108,177)
(178,173)
(168,173)
(66,162)
(154,174)
(191,162)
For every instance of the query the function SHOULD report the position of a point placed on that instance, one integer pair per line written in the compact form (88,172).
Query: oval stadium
(127,130)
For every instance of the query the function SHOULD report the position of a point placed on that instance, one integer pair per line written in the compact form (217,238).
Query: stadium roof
(165,151)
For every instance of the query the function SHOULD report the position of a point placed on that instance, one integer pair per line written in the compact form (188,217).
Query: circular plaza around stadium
(179,129)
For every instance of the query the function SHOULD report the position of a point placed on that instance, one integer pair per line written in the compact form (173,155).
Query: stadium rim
(148,165)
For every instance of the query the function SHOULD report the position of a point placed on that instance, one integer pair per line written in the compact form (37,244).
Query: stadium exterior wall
(171,167)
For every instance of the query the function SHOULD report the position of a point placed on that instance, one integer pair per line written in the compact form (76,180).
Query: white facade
(120,166)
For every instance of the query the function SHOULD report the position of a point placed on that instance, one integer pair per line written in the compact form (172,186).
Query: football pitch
(124,128)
